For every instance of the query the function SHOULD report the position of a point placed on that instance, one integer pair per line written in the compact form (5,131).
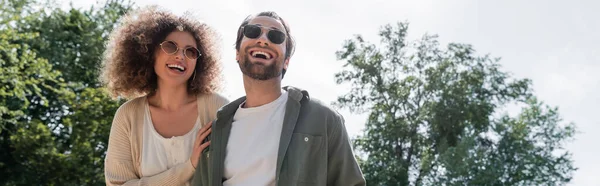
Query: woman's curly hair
(128,62)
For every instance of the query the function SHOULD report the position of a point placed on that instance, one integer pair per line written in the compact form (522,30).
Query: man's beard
(259,71)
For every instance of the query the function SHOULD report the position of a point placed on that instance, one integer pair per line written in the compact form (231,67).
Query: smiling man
(275,135)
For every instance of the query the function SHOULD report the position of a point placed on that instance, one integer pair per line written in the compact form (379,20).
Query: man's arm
(342,167)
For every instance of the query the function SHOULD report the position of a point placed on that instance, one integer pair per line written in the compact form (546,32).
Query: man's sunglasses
(274,35)
(171,48)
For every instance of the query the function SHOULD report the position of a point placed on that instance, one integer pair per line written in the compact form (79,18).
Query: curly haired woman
(168,67)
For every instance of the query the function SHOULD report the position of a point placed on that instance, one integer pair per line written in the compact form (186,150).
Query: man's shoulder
(317,117)
(230,107)
(313,109)
(316,105)
(310,103)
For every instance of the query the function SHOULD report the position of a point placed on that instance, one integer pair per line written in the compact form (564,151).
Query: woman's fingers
(206,127)
(203,146)
(200,132)
(204,135)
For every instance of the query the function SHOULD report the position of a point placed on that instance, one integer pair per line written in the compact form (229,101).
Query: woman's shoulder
(125,121)
(131,106)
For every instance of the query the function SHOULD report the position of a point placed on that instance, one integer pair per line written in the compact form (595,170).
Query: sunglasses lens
(169,47)
(192,53)
(276,36)
(252,31)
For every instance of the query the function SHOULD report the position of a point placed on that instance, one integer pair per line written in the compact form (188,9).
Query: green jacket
(314,147)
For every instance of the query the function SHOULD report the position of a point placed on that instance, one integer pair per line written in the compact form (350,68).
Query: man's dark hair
(289,41)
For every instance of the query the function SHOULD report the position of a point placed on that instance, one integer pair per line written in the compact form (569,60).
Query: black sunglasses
(274,35)
(171,48)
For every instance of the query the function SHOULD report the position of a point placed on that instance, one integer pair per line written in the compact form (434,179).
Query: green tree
(55,116)
(23,75)
(433,116)
(73,40)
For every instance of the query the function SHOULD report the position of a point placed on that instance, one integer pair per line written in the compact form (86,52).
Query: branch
(423,172)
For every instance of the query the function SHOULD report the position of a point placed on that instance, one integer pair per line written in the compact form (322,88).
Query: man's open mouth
(261,54)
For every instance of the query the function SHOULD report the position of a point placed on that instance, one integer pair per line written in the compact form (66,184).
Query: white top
(251,157)
(160,153)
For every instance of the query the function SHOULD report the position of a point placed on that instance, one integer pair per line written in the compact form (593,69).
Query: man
(274,135)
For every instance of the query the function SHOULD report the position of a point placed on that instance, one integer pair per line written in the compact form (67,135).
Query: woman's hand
(198,145)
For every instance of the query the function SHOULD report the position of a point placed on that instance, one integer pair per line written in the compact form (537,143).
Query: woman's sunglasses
(254,31)
(171,48)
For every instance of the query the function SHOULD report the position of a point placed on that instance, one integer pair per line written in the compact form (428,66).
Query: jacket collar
(294,94)
(293,106)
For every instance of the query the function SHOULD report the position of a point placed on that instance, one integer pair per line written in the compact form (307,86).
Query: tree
(432,116)
(79,36)
(55,116)
(22,75)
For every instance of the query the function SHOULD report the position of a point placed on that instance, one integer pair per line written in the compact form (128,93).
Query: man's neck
(170,98)
(259,92)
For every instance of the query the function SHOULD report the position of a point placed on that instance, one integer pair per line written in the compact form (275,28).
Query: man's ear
(237,56)
(286,63)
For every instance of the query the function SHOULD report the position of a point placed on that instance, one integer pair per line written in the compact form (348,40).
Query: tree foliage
(55,116)
(433,116)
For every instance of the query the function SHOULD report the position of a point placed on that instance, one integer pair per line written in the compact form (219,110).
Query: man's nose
(263,40)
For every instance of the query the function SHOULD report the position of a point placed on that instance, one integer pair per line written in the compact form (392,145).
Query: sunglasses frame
(261,33)
(177,50)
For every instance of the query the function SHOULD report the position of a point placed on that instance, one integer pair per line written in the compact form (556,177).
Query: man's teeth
(180,68)
(256,53)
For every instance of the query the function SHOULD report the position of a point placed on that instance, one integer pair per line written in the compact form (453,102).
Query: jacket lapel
(292,110)
(221,152)
(221,128)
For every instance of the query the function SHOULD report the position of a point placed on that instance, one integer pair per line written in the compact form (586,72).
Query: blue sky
(554,43)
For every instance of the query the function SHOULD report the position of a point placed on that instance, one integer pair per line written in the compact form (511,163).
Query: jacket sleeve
(119,166)
(342,167)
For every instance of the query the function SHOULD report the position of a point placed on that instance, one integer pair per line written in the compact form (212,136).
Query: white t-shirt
(251,157)
(160,153)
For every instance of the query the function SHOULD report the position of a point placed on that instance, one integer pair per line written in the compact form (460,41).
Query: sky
(553,43)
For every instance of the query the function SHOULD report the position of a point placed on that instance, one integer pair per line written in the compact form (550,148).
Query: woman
(168,65)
